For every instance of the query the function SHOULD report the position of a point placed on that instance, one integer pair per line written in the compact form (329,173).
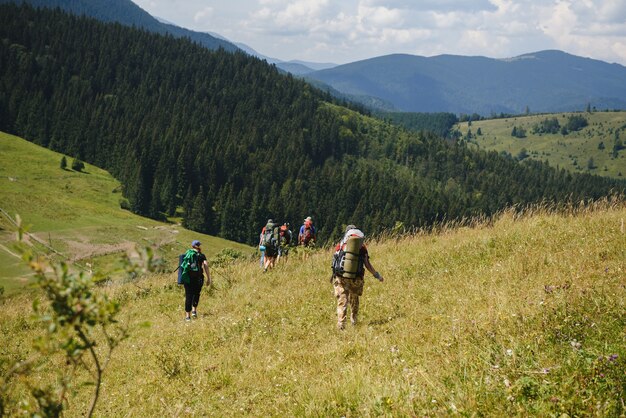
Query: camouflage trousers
(347,292)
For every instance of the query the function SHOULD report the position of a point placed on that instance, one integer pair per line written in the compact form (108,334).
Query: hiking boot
(194,315)
(187,319)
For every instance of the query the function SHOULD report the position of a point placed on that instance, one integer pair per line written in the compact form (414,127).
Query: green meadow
(524,315)
(76,216)
(571,152)
(520,315)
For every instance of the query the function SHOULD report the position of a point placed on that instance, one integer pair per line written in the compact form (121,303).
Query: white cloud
(202,15)
(349,30)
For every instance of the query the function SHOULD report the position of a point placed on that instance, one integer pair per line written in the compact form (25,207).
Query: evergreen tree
(77,165)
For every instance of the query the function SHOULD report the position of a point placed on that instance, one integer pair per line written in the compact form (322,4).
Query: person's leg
(356,290)
(196,297)
(342,302)
(353,301)
(188,300)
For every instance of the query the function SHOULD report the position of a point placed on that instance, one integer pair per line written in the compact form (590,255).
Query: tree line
(233,141)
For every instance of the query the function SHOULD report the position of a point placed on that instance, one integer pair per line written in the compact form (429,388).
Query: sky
(342,31)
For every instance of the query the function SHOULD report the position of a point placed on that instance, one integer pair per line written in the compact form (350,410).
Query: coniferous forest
(233,141)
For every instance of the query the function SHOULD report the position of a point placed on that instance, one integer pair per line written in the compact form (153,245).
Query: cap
(308,218)
(349,227)
(196,243)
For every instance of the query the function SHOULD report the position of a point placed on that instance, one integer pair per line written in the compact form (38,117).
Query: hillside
(234,142)
(524,316)
(597,148)
(544,81)
(77,214)
(128,13)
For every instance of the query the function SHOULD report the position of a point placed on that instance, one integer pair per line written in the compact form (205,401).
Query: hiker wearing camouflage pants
(349,289)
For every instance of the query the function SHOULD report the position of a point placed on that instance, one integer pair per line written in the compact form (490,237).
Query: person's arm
(371,269)
(205,266)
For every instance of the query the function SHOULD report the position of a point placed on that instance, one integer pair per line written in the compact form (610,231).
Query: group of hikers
(275,240)
(350,260)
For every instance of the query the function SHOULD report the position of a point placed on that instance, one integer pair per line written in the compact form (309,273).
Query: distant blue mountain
(295,67)
(545,81)
(129,14)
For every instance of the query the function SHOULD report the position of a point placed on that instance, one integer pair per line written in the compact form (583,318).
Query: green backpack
(189,263)
(271,236)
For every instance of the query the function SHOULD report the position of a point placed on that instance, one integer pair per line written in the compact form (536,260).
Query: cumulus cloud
(434,5)
(349,30)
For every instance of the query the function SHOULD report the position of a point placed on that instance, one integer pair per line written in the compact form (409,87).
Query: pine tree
(78,165)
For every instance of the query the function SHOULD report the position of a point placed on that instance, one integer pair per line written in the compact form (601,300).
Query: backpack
(285,236)
(188,266)
(270,237)
(347,260)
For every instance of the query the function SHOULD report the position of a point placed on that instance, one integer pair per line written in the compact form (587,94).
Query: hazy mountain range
(545,81)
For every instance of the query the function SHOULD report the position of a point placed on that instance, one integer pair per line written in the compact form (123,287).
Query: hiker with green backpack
(192,264)
(350,260)
(270,240)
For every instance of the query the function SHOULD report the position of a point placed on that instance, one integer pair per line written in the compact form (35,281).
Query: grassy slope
(78,214)
(516,318)
(557,149)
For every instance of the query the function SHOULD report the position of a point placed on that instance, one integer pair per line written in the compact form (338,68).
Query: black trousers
(192,292)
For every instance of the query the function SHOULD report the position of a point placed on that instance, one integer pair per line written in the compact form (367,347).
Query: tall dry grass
(523,314)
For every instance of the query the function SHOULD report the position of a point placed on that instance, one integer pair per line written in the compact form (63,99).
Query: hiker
(350,260)
(262,248)
(307,235)
(284,241)
(197,264)
(270,240)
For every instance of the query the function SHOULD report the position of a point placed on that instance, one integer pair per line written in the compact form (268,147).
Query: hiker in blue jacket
(307,234)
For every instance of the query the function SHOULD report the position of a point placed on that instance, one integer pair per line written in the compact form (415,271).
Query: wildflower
(509,352)
(613,357)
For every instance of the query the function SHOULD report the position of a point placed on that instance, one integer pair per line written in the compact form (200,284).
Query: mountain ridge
(545,81)
(128,13)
